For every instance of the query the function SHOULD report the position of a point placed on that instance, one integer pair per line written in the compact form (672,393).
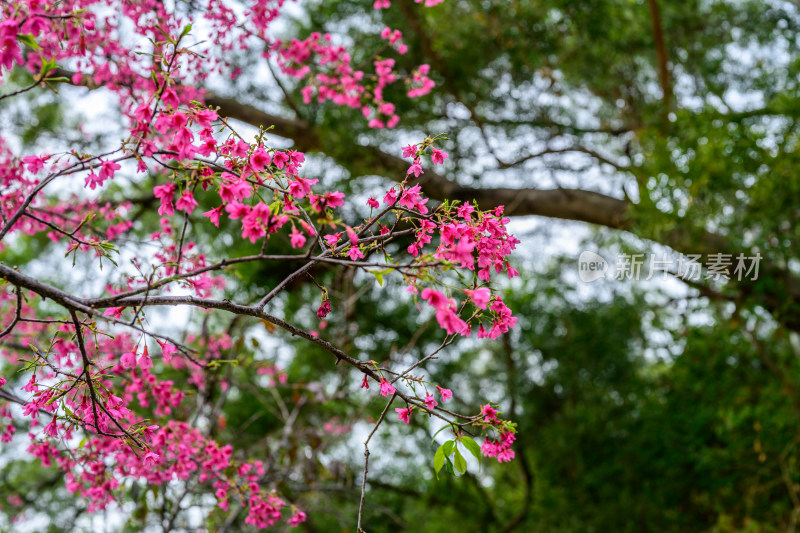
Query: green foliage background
(638,410)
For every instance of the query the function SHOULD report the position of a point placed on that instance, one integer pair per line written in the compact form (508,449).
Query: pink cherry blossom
(297,518)
(446,393)
(480,297)
(438,156)
(387,388)
(324,309)
(297,239)
(186,202)
(430,401)
(404,414)
(415,168)
(128,360)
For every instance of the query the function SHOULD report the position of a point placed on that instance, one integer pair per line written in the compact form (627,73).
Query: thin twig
(366,461)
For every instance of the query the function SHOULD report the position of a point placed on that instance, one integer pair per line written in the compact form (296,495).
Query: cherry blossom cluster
(99,367)
(155,454)
(329,75)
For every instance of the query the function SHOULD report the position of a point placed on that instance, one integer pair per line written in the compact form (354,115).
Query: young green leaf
(471,446)
(29,41)
(448,447)
(438,460)
(460,463)
(449,466)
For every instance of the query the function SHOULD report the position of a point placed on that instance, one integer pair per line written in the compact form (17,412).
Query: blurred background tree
(615,125)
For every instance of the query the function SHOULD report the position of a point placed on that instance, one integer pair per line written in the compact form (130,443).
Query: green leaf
(461,463)
(448,447)
(438,460)
(471,446)
(449,466)
(379,275)
(186,30)
(29,40)
(47,66)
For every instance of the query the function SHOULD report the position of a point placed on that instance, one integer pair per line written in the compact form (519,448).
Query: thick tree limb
(661,52)
(568,204)
(778,295)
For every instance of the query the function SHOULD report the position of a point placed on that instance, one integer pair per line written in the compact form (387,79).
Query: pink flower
(446,393)
(403,414)
(186,202)
(128,360)
(499,448)
(31,386)
(298,518)
(373,203)
(489,413)
(167,351)
(259,159)
(115,312)
(213,215)
(415,168)
(465,210)
(300,187)
(34,163)
(435,298)
(352,236)
(438,156)
(280,159)
(430,401)
(386,388)
(150,459)
(331,240)
(205,117)
(297,158)
(234,188)
(334,199)
(92,181)
(412,199)
(324,309)
(51,429)
(480,297)
(364,382)
(31,410)
(450,321)
(164,193)
(297,239)
(354,253)
(410,150)
(237,210)
(145,362)
(2,381)
(10,52)
(107,169)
